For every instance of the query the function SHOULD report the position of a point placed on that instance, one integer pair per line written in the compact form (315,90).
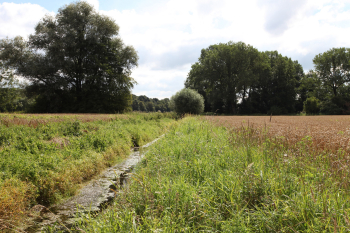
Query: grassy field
(44,158)
(223,175)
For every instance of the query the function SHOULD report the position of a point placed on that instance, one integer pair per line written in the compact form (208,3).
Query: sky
(169,34)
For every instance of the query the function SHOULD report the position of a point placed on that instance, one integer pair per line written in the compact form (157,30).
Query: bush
(187,101)
(312,105)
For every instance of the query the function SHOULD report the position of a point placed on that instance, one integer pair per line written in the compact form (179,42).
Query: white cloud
(170,36)
(160,83)
(95,3)
(19,19)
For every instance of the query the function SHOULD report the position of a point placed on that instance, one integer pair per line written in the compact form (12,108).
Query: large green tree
(75,61)
(223,74)
(276,89)
(333,69)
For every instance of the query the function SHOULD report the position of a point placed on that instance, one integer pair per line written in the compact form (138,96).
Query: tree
(10,92)
(142,106)
(224,73)
(135,105)
(237,78)
(277,84)
(187,101)
(150,107)
(75,61)
(312,105)
(333,68)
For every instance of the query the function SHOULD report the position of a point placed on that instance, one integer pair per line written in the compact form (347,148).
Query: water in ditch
(92,198)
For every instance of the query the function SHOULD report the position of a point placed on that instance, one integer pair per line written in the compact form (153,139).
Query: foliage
(311,105)
(276,88)
(75,62)
(223,72)
(205,178)
(187,101)
(309,86)
(150,107)
(335,106)
(144,104)
(45,158)
(263,82)
(11,91)
(333,69)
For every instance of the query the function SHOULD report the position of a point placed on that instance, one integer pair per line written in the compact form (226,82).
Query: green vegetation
(144,104)
(44,158)
(187,101)
(12,96)
(75,62)
(311,105)
(200,177)
(235,78)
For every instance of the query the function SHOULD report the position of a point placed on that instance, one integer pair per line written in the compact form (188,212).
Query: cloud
(279,14)
(170,34)
(94,3)
(159,84)
(19,19)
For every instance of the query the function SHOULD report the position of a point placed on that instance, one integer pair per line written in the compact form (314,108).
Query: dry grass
(14,200)
(33,120)
(327,133)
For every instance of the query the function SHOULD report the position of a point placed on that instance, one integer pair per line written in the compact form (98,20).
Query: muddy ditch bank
(96,195)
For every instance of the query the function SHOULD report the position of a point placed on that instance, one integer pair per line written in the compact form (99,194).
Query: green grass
(202,178)
(44,163)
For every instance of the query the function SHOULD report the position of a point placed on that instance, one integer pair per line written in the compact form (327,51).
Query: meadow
(225,174)
(45,158)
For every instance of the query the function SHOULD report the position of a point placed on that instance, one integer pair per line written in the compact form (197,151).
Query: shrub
(187,101)
(311,105)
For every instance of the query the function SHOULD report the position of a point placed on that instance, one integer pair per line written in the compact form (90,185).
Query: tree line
(236,78)
(77,62)
(144,104)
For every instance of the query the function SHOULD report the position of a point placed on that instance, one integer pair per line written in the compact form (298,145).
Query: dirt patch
(60,142)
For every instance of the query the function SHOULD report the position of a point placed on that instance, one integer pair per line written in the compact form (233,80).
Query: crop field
(46,157)
(325,132)
(219,174)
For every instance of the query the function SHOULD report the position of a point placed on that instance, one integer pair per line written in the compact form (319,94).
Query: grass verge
(206,178)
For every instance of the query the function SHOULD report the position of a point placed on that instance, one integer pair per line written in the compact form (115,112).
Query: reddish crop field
(34,120)
(325,132)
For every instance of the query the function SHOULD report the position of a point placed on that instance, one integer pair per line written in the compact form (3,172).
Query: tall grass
(206,178)
(44,162)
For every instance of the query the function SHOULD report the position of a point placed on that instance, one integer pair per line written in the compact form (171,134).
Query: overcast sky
(169,34)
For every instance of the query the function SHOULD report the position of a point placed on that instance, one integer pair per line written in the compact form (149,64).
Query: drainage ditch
(92,198)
